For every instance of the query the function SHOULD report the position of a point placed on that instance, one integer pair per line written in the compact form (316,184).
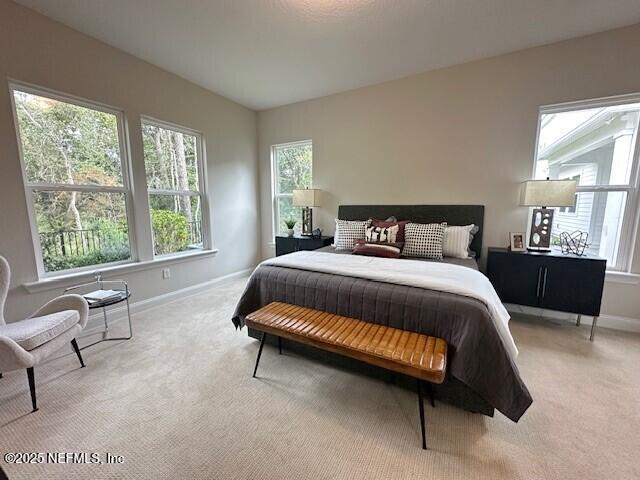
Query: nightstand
(286,244)
(552,280)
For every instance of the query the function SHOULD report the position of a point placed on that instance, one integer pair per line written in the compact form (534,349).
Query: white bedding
(442,277)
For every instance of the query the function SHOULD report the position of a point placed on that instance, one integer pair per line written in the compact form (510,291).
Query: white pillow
(457,240)
(348,231)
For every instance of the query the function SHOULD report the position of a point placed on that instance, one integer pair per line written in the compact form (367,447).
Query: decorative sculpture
(575,242)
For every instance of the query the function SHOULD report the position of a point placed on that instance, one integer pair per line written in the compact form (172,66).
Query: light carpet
(178,402)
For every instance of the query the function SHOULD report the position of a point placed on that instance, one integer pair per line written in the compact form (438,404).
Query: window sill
(622,277)
(62,281)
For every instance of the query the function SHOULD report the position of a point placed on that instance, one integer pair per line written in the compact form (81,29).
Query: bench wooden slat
(417,355)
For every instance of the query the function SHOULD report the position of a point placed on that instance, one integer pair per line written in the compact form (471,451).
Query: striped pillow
(457,240)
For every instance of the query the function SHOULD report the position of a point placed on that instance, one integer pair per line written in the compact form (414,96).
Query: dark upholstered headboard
(452,214)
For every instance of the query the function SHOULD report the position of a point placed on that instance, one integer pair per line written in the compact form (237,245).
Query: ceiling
(265,53)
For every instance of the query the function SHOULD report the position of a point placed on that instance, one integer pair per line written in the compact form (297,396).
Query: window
(594,143)
(75,179)
(175,182)
(291,166)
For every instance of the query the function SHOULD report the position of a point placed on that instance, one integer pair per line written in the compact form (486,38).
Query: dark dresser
(286,244)
(553,281)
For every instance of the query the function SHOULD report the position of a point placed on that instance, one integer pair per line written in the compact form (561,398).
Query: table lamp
(307,198)
(541,194)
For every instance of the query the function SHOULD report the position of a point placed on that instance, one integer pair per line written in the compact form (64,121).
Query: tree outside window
(72,159)
(172,164)
(292,169)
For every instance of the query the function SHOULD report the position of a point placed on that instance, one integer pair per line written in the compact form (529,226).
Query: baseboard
(615,322)
(95,322)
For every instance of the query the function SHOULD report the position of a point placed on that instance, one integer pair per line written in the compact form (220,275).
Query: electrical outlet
(166,273)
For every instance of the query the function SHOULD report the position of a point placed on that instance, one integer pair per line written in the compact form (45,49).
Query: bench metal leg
(264,336)
(593,328)
(421,407)
(280,345)
(430,393)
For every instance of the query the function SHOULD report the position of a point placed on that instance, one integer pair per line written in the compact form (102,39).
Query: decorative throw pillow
(424,240)
(377,249)
(457,240)
(382,234)
(389,222)
(348,231)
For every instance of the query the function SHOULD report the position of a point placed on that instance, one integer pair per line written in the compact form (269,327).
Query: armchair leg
(74,344)
(32,388)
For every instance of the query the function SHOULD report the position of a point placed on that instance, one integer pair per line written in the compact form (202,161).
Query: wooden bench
(419,356)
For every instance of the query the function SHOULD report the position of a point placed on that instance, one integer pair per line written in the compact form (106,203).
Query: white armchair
(24,344)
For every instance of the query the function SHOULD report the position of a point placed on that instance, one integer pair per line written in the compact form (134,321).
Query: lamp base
(307,222)
(540,232)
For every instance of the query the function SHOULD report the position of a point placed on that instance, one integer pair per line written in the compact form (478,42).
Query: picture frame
(517,242)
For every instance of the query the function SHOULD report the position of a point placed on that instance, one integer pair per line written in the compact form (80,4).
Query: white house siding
(582,219)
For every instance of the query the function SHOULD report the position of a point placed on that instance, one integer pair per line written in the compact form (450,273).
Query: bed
(483,373)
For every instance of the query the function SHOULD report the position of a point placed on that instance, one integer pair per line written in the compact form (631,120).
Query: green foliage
(63,143)
(66,143)
(106,255)
(170,231)
(290,223)
(294,167)
(160,145)
(294,172)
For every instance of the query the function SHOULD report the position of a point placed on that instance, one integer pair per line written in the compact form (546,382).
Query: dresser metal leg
(578,320)
(593,328)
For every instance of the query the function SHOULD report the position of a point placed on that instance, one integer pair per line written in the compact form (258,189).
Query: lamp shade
(309,197)
(548,193)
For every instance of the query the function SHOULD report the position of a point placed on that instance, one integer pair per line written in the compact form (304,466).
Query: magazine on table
(101,295)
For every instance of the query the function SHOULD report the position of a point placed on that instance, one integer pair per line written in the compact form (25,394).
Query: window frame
(275,184)
(30,187)
(207,243)
(630,216)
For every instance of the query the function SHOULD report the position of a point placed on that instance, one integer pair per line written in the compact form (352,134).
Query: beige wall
(37,50)
(463,134)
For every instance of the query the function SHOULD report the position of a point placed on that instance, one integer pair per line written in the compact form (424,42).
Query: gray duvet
(477,356)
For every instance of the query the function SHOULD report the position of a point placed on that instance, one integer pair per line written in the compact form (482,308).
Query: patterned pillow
(348,231)
(373,249)
(382,234)
(389,222)
(424,240)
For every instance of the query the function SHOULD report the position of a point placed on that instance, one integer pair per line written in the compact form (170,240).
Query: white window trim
(631,220)
(275,186)
(29,188)
(207,243)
